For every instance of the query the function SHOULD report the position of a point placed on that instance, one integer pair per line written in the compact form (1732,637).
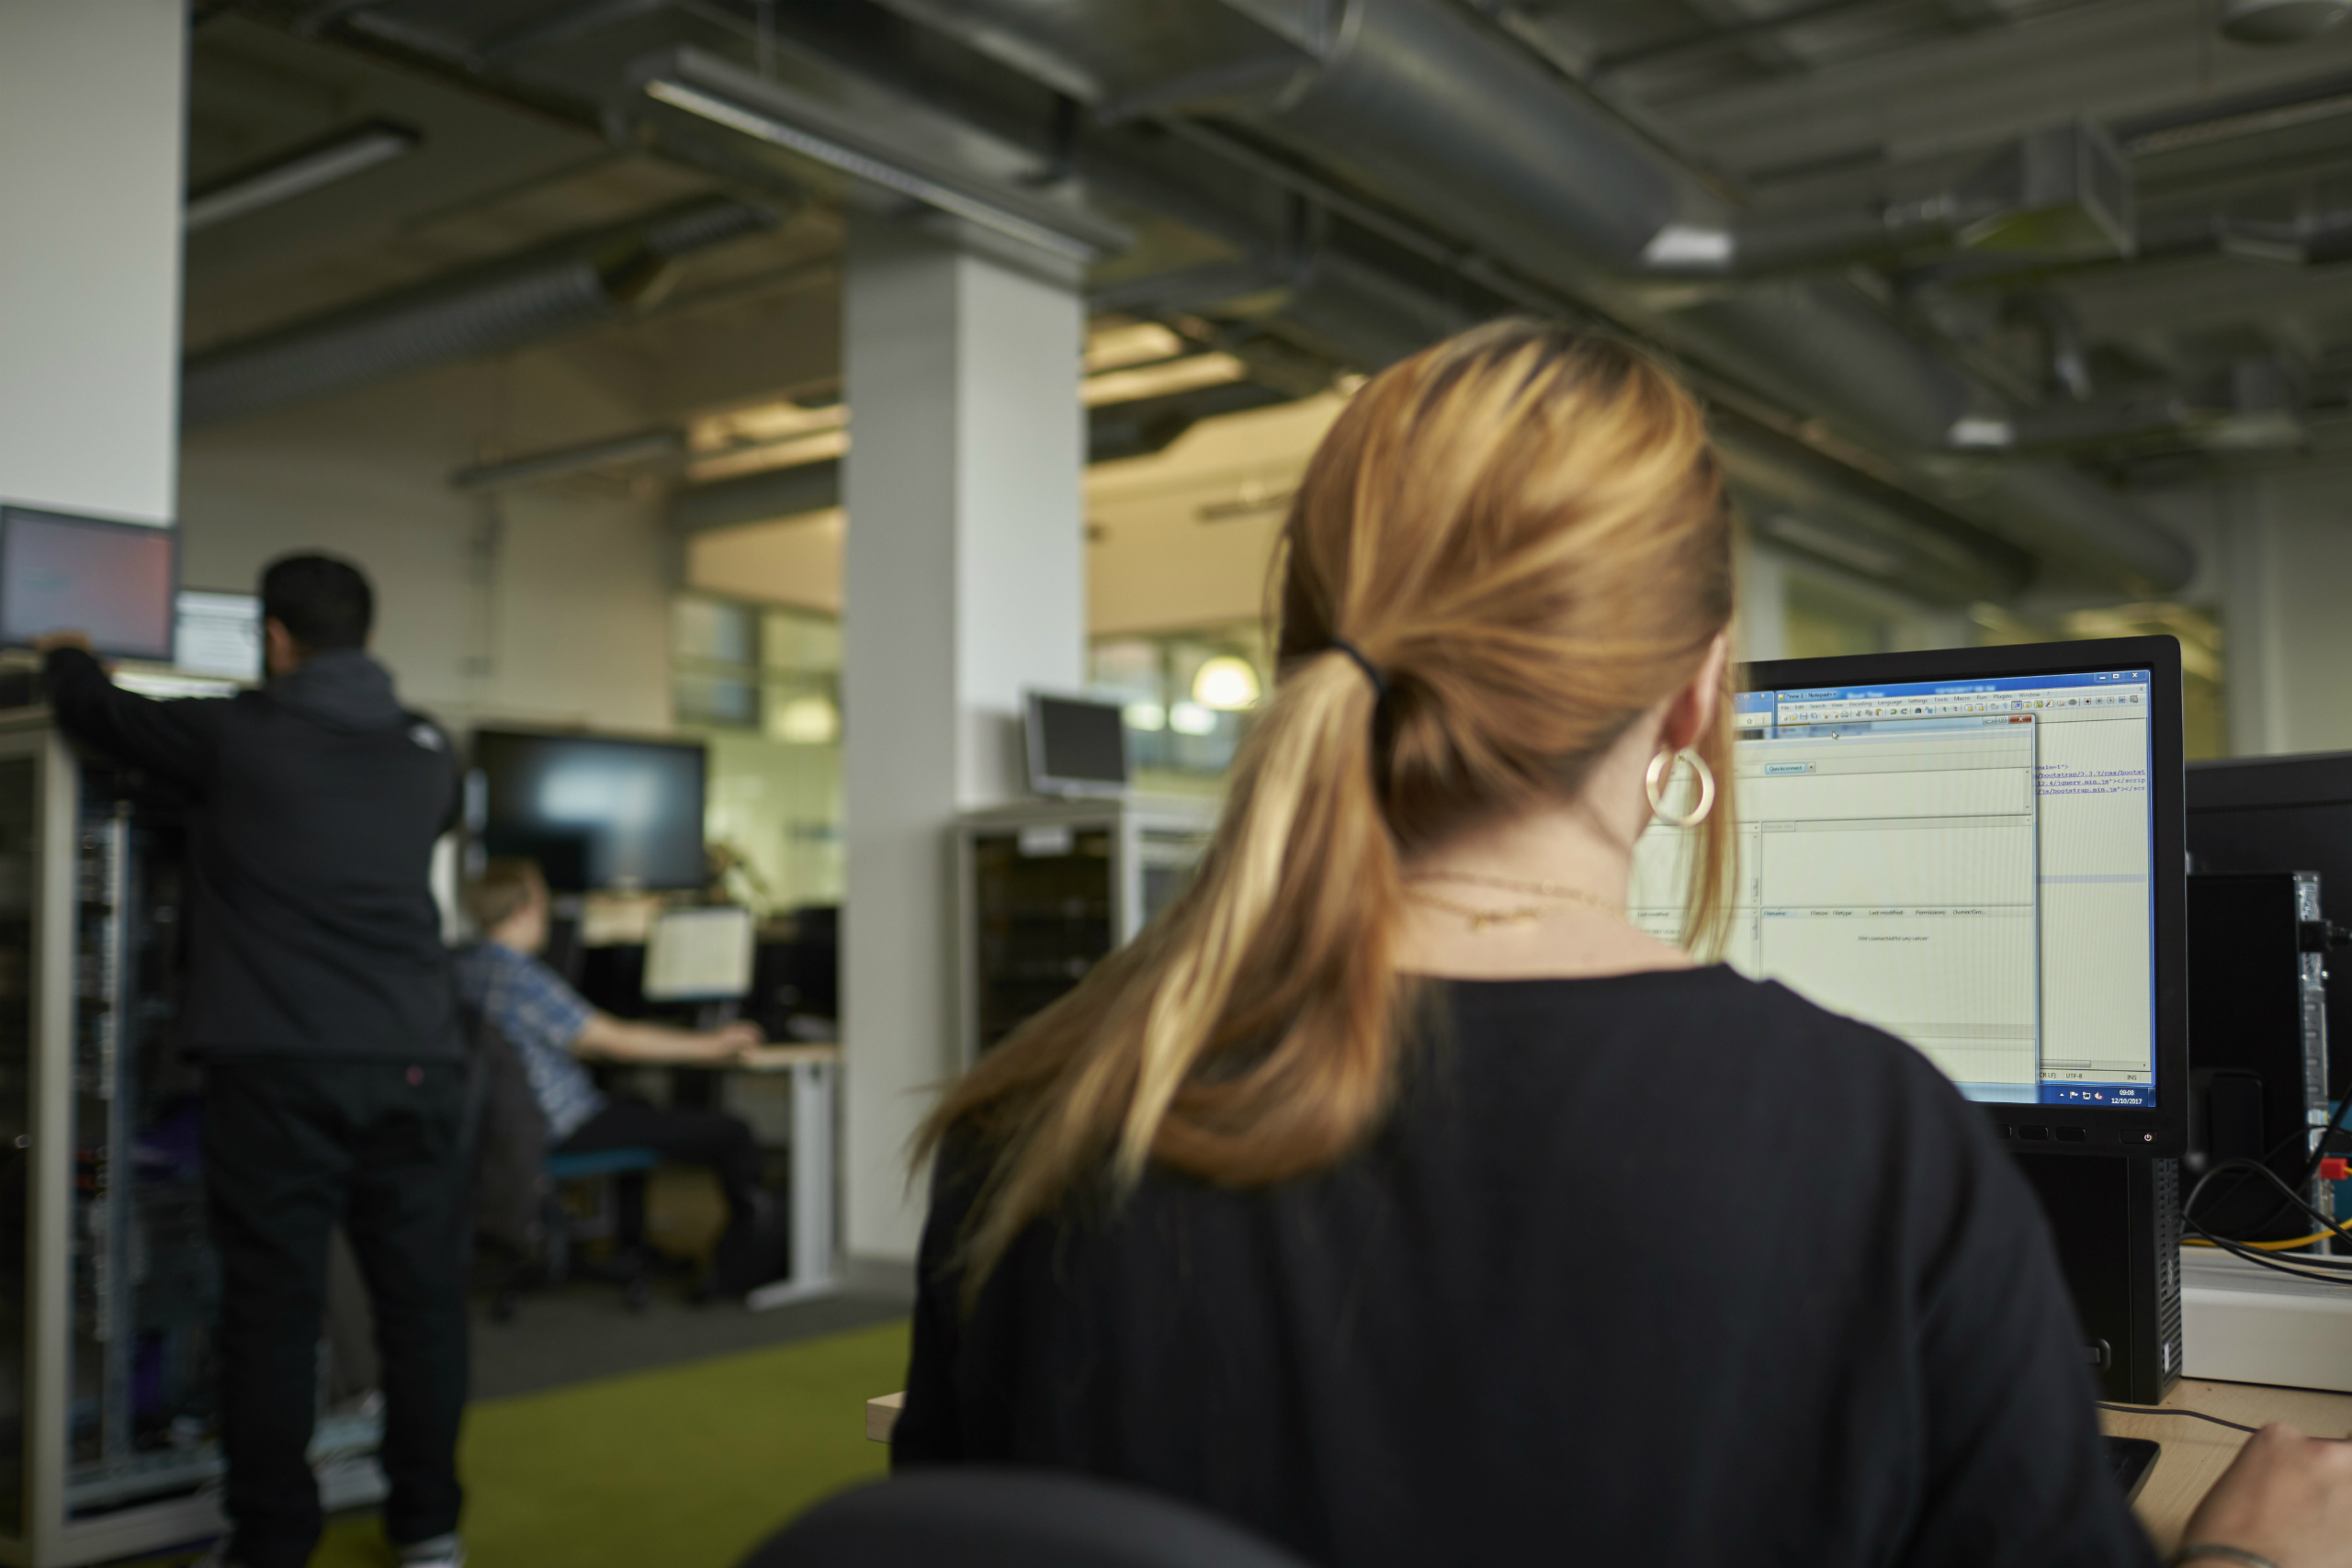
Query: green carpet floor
(685,1467)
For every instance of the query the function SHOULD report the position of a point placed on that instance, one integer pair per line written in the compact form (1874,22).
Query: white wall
(93,105)
(546,605)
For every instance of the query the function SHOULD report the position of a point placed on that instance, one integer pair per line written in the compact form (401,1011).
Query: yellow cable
(2267,1245)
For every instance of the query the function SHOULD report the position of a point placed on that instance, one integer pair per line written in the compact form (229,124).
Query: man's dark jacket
(318,800)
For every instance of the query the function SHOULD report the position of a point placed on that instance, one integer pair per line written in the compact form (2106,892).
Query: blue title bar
(2109,679)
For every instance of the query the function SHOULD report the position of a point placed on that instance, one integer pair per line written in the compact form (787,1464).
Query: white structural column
(963,582)
(93,121)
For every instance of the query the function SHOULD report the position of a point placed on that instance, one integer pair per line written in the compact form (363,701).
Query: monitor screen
(1076,747)
(114,580)
(699,955)
(218,634)
(595,812)
(1966,863)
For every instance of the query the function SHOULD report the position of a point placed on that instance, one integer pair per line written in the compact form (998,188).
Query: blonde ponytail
(1523,532)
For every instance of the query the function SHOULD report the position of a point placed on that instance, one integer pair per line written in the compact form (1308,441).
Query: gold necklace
(1480,918)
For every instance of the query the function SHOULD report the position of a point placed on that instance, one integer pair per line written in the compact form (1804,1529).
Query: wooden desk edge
(775,1058)
(882,1415)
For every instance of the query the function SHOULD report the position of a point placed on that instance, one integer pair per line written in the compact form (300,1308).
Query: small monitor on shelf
(700,955)
(116,581)
(1076,745)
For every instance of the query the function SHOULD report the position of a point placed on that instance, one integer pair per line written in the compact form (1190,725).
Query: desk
(814,1070)
(2195,1452)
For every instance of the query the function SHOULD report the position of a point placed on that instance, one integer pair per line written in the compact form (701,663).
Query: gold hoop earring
(1654,784)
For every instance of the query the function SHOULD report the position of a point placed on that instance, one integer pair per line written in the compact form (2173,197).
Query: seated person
(552,1027)
(1396,1195)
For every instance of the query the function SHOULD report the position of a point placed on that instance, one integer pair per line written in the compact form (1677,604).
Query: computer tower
(1048,888)
(2116,1220)
(2257,1045)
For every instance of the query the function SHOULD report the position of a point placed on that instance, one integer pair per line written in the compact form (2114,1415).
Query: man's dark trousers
(293,1145)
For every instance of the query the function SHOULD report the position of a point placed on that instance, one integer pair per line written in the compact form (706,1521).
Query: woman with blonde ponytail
(1393,1193)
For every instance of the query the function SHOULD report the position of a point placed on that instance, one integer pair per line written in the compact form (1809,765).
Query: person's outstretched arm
(173,739)
(2285,1499)
(623,1040)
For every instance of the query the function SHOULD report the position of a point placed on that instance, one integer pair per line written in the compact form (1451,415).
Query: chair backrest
(509,1138)
(974,1518)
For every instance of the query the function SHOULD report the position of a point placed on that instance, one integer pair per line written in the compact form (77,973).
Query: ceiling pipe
(1420,103)
(1112,430)
(488,310)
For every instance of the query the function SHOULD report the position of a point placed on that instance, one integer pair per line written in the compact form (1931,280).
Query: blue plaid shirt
(540,1016)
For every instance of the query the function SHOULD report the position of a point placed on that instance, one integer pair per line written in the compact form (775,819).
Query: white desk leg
(812,1192)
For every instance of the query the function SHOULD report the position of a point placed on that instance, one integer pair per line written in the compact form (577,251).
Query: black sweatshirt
(317,802)
(1674,1270)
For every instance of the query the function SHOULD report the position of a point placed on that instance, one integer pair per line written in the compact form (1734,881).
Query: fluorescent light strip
(306,172)
(872,170)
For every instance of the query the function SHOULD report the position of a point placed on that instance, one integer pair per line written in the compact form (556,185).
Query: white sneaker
(441,1551)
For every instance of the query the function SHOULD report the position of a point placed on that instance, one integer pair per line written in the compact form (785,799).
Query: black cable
(2333,1124)
(2186,1415)
(2322,1270)
(2272,1177)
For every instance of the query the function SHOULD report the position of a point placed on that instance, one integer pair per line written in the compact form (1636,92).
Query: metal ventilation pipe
(1418,102)
(487,311)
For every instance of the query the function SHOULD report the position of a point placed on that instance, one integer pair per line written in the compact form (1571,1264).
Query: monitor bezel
(476,835)
(11,511)
(2161,1131)
(1033,726)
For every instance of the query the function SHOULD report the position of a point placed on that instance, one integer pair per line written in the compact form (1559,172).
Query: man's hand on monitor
(57,639)
(2285,1497)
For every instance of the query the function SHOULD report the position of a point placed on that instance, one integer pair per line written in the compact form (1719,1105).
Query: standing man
(321,1006)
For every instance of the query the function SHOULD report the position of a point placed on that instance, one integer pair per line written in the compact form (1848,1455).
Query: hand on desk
(734,1041)
(2285,1497)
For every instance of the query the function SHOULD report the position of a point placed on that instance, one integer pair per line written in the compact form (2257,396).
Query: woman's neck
(1539,896)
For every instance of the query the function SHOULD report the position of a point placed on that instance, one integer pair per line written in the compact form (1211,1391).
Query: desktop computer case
(107,1281)
(2115,1221)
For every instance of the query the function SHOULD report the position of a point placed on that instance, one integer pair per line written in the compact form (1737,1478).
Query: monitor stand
(2116,1220)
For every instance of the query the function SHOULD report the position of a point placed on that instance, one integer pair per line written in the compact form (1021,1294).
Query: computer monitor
(114,580)
(700,955)
(595,811)
(1978,851)
(2284,814)
(1077,746)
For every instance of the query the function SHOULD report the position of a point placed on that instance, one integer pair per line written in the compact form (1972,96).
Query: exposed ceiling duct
(1112,430)
(2280,21)
(1417,101)
(486,310)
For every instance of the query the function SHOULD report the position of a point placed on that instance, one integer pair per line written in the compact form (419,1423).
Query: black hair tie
(1371,670)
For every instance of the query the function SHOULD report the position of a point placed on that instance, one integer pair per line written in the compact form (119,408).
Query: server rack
(107,1283)
(1048,888)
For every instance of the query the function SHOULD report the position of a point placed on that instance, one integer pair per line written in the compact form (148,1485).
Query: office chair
(1011,1519)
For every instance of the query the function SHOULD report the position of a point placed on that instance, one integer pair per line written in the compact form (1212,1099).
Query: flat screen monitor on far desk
(1978,851)
(700,955)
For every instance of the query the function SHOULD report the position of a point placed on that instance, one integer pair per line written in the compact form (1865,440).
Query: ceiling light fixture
(705,85)
(1226,683)
(306,169)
